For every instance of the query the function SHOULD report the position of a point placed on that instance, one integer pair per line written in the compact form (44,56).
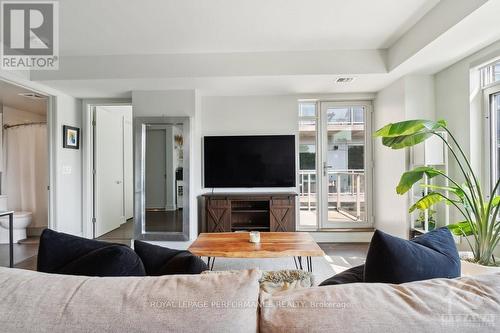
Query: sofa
(232,302)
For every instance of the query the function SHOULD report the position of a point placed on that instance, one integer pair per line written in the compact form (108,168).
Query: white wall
(67,166)
(249,115)
(411,97)
(390,209)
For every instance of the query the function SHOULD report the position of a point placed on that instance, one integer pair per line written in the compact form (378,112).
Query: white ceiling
(9,96)
(111,27)
(252,47)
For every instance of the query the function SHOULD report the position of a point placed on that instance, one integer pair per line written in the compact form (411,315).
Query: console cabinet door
(282,214)
(218,215)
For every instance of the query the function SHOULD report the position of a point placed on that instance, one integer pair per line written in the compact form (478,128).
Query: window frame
(490,118)
(487,74)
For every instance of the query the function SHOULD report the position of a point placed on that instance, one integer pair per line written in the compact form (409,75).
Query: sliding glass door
(335,165)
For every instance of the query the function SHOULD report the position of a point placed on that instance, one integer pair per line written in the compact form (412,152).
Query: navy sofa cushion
(352,275)
(160,260)
(394,260)
(67,254)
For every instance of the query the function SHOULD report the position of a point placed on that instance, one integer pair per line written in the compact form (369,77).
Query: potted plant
(480,212)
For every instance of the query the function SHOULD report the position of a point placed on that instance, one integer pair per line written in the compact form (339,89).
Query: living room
(296,151)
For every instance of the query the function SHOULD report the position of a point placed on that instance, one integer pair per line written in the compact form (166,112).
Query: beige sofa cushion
(32,301)
(439,305)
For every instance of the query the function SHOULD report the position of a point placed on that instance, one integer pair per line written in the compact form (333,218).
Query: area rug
(323,267)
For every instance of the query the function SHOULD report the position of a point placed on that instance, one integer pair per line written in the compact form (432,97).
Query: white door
(344,164)
(109,173)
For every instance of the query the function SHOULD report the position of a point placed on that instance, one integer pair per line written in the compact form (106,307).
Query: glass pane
(497,139)
(358,115)
(338,115)
(497,72)
(307,109)
(345,158)
(307,166)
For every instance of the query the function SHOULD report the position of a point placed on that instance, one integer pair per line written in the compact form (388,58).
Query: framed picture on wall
(71,137)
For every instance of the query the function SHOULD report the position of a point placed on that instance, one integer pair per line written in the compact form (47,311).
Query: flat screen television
(249,161)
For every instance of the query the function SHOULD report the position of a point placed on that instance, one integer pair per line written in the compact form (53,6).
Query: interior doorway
(112,171)
(25,169)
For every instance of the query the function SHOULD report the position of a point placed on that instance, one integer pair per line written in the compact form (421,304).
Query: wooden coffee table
(272,245)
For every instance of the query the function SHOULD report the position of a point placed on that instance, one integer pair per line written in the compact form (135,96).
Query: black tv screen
(249,161)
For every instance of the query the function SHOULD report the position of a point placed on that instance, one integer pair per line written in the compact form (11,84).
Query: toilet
(21,221)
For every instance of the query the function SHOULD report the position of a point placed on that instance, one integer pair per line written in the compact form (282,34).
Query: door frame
(322,185)
(87,158)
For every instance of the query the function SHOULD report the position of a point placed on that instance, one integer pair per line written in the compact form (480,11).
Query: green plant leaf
(408,133)
(428,201)
(453,189)
(409,178)
(404,141)
(409,127)
(460,228)
(495,201)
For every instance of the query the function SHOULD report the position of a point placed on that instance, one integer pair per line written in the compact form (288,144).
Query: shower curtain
(25,170)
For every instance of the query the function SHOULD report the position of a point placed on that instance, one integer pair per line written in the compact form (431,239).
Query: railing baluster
(338,190)
(309,191)
(353,192)
(358,201)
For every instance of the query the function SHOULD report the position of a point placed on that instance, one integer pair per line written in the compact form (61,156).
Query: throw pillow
(67,254)
(352,275)
(160,260)
(394,260)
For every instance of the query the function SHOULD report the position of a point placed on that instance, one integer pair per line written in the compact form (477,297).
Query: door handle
(325,168)
(118,182)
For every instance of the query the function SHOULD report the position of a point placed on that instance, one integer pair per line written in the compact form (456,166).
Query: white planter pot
(471,269)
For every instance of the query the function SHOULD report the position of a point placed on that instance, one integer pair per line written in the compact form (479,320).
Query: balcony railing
(345,188)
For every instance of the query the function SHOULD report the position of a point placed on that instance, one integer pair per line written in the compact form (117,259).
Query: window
(307,164)
(492,103)
(495,138)
(490,74)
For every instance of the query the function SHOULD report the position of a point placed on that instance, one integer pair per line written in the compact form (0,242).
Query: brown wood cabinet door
(218,215)
(282,214)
